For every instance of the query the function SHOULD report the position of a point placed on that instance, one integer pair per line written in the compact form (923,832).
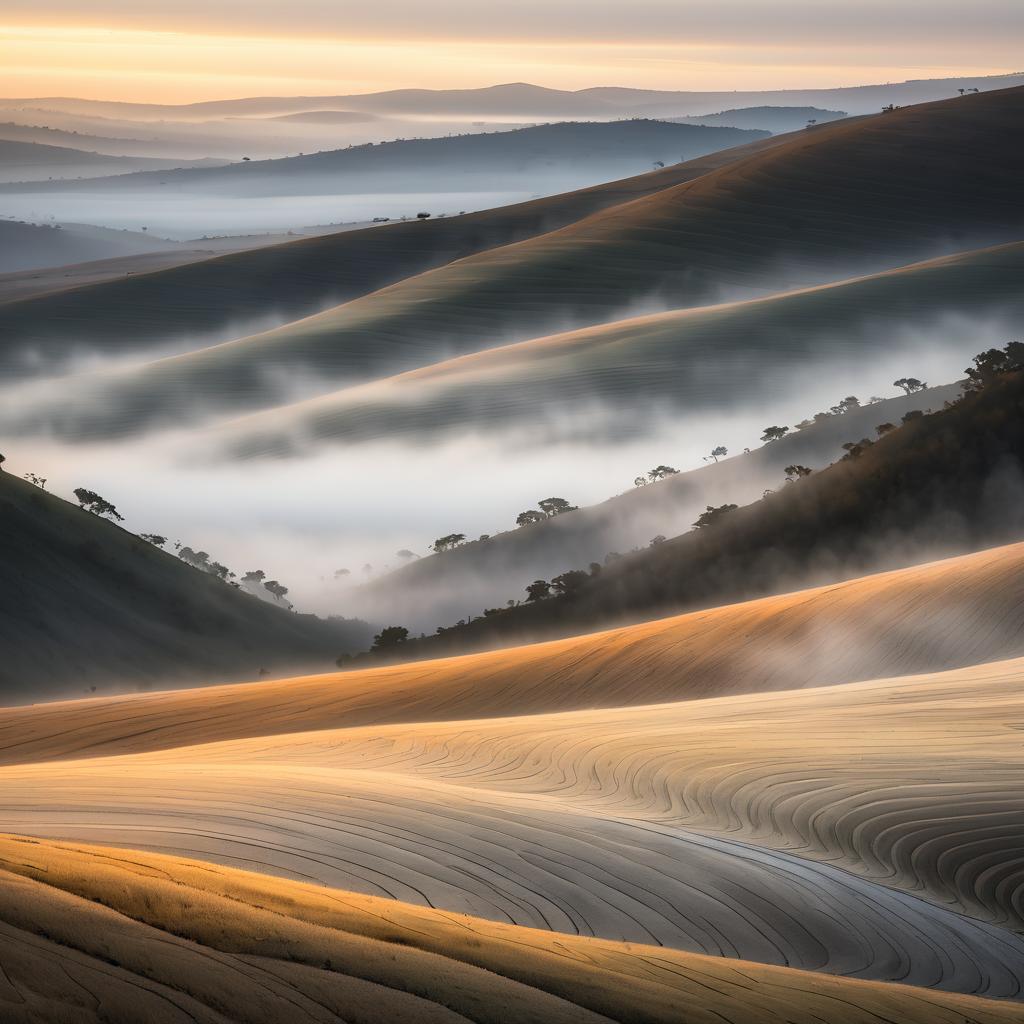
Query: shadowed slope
(85,602)
(439,588)
(632,371)
(273,947)
(279,283)
(846,198)
(956,612)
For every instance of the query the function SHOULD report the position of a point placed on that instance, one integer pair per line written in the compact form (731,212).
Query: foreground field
(89,934)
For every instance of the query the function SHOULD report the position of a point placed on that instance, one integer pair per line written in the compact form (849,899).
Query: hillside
(26,247)
(951,613)
(942,483)
(280,283)
(842,200)
(771,119)
(623,377)
(87,605)
(310,952)
(441,588)
(590,151)
(36,162)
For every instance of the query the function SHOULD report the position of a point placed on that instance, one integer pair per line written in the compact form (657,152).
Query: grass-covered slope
(282,282)
(944,483)
(589,150)
(439,589)
(924,619)
(86,604)
(823,205)
(89,934)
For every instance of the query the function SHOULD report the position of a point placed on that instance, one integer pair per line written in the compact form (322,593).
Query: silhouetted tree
(640,481)
(774,433)
(423,216)
(3,459)
(153,538)
(655,541)
(555,506)
(660,472)
(716,453)
(529,517)
(909,384)
(538,590)
(884,428)
(389,638)
(711,516)
(794,473)
(448,542)
(254,576)
(276,589)
(39,481)
(913,414)
(569,582)
(993,363)
(92,502)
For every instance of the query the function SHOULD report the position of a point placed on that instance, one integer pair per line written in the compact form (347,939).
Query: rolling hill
(279,283)
(871,194)
(940,484)
(952,613)
(87,605)
(772,119)
(589,152)
(441,588)
(35,162)
(311,952)
(619,378)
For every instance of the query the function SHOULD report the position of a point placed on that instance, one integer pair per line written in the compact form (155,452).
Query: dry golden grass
(93,934)
(956,612)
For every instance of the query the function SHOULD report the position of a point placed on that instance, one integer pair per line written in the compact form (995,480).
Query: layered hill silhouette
(22,161)
(772,119)
(440,588)
(89,605)
(279,283)
(589,150)
(940,483)
(868,195)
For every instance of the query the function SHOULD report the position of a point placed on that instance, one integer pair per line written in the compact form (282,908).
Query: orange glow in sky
(175,66)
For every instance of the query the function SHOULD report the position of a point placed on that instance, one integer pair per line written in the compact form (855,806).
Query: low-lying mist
(355,507)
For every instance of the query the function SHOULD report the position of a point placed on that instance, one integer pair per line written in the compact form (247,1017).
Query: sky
(218,49)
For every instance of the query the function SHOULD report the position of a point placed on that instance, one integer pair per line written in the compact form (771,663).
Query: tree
(845,405)
(993,363)
(529,517)
(3,459)
(276,589)
(389,638)
(716,453)
(909,384)
(92,502)
(538,590)
(406,554)
(33,478)
(197,559)
(884,428)
(774,433)
(569,582)
(660,472)
(711,516)
(794,473)
(655,541)
(913,414)
(640,481)
(448,542)
(555,506)
(153,538)
(855,449)
(658,164)
(423,216)
(254,577)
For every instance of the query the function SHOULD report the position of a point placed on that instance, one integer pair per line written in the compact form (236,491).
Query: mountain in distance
(523,100)
(579,153)
(772,119)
